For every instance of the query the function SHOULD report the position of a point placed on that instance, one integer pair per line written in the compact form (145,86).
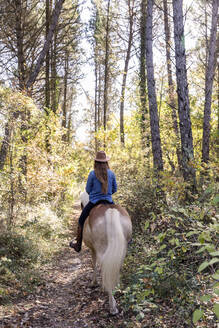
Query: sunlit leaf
(197,314)
(203,266)
(205,298)
(216,309)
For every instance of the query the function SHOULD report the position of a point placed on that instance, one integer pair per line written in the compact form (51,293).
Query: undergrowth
(34,240)
(171,271)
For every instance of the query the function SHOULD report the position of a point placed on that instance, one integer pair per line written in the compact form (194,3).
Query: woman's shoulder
(110,172)
(92,172)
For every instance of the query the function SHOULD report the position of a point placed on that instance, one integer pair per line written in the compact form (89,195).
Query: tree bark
(125,71)
(183,96)
(54,79)
(5,145)
(47,70)
(106,74)
(172,100)
(20,44)
(64,107)
(54,21)
(143,83)
(217,140)
(154,122)
(209,79)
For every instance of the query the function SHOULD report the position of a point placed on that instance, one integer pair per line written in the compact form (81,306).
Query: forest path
(66,299)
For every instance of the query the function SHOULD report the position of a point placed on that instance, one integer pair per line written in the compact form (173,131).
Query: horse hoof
(114,312)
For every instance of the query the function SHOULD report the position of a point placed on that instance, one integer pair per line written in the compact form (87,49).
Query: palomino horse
(107,232)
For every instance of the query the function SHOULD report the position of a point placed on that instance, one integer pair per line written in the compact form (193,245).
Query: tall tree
(106,70)
(47,66)
(97,41)
(183,95)
(64,106)
(20,43)
(54,21)
(126,65)
(154,121)
(142,72)
(20,29)
(209,79)
(172,100)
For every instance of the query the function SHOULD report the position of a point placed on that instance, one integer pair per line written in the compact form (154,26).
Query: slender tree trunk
(217,107)
(47,81)
(154,122)
(99,118)
(12,192)
(172,100)
(106,74)
(125,71)
(5,145)
(97,84)
(96,103)
(143,83)
(54,80)
(209,79)
(183,95)
(69,128)
(64,107)
(20,44)
(54,21)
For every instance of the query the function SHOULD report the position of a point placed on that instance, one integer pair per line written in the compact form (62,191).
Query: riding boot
(77,245)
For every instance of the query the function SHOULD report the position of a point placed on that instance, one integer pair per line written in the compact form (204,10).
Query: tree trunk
(172,100)
(5,145)
(54,21)
(97,81)
(54,80)
(106,74)
(47,70)
(217,141)
(125,71)
(209,79)
(96,104)
(142,83)
(154,122)
(99,112)
(20,45)
(64,107)
(183,96)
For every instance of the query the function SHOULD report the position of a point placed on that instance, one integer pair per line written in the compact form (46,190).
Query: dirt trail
(66,300)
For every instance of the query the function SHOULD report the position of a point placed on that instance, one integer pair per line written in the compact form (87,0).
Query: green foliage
(18,255)
(16,249)
(174,256)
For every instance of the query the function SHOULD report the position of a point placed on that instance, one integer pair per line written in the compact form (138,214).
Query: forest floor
(65,299)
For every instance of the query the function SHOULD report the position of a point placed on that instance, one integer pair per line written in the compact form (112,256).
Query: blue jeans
(86,210)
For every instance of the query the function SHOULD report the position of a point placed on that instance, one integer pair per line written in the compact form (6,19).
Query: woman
(101,184)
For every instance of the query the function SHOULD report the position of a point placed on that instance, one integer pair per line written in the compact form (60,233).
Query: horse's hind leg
(112,304)
(94,261)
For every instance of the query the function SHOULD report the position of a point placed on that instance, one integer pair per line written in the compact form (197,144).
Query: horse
(107,231)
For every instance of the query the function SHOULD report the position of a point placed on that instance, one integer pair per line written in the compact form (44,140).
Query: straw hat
(101,156)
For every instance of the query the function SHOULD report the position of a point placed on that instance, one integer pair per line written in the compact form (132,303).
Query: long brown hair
(100,169)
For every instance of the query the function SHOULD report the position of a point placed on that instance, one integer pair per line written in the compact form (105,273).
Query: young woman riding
(101,184)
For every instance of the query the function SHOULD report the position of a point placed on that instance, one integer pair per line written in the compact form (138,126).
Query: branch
(54,21)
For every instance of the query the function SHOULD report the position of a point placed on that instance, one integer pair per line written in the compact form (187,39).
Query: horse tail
(116,248)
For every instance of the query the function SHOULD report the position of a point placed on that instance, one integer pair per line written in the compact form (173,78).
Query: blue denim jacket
(93,187)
